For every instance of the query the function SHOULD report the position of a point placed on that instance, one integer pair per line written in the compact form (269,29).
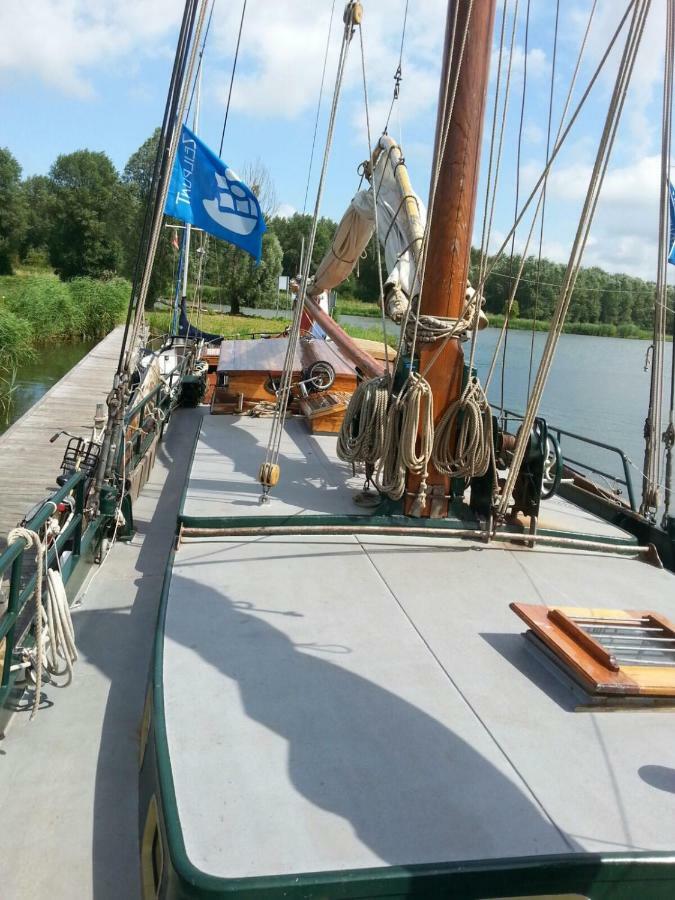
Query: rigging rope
(652,432)
(234,69)
(318,107)
(518,278)
(625,70)
(491,186)
(507,317)
(376,239)
(554,59)
(558,146)
(269,470)
(398,74)
(201,57)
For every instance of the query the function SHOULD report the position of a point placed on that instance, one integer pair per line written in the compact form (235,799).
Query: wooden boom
(367,365)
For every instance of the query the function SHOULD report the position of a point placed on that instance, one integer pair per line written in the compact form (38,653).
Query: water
(33,380)
(597,388)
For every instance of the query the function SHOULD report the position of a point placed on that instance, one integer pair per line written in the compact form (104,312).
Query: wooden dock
(29,464)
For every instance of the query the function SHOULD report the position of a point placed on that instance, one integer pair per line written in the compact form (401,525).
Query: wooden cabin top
(266,355)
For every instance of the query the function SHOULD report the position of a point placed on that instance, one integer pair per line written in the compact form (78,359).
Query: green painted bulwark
(628,876)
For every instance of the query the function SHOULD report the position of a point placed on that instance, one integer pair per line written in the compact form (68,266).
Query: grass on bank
(245,326)
(351,307)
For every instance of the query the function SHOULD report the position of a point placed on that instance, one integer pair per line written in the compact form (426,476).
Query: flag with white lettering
(206,193)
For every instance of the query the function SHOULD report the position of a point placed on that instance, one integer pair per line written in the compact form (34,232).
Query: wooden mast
(449,246)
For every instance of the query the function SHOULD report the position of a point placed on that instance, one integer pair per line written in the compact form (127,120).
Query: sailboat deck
(343,702)
(223,481)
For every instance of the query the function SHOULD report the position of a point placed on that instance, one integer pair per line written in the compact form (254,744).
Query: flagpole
(188,227)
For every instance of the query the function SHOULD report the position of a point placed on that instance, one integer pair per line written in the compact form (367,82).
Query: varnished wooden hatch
(609,651)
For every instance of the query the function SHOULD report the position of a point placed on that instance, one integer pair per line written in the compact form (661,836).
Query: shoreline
(495,320)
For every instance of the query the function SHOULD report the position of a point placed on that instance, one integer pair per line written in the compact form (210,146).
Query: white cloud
(282,54)
(63,41)
(624,234)
(285,211)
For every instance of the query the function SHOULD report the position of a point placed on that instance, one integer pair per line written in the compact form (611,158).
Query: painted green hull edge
(649,876)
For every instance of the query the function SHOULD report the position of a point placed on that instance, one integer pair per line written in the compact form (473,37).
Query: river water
(597,388)
(33,380)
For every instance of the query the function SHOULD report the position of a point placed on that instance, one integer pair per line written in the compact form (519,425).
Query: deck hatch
(609,651)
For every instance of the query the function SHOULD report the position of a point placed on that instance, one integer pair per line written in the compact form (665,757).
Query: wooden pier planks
(29,464)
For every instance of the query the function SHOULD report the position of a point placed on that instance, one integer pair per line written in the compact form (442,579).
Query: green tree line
(84,219)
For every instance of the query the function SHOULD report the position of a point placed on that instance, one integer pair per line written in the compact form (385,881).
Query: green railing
(626,481)
(152,412)
(21,589)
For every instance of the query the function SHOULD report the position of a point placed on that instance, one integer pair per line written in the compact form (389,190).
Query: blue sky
(93,73)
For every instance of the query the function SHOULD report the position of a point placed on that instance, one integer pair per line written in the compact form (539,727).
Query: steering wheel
(320,376)
(553,468)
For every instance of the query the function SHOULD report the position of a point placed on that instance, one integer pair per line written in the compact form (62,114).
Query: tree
(12,211)
(240,281)
(140,167)
(291,232)
(38,198)
(256,175)
(91,213)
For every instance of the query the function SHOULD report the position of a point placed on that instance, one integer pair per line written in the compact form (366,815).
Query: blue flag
(206,193)
(671,237)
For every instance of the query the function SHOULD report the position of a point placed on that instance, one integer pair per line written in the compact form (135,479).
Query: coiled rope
(54,632)
(470,419)
(363,430)
(410,414)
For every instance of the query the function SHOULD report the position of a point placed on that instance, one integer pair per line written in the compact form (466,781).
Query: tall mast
(452,215)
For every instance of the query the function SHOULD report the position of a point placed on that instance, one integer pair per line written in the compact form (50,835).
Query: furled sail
(401,217)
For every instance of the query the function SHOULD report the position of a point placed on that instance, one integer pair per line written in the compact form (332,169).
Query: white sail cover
(356,228)
(351,239)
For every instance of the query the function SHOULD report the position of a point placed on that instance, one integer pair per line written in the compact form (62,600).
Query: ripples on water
(597,387)
(35,379)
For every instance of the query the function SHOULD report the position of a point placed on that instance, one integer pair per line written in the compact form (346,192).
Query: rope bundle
(362,435)
(410,414)
(429,329)
(469,453)
(54,632)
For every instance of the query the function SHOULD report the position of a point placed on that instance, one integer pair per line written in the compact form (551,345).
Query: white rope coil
(32,539)
(55,650)
(363,431)
(411,414)
(463,445)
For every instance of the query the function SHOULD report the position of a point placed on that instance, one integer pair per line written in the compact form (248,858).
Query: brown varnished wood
(370,367)
(585,640)
(554,626)
(452,215)
(593,674)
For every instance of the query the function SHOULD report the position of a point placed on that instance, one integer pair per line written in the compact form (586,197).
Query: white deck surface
(224,475)
(337,703)
(69,778)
